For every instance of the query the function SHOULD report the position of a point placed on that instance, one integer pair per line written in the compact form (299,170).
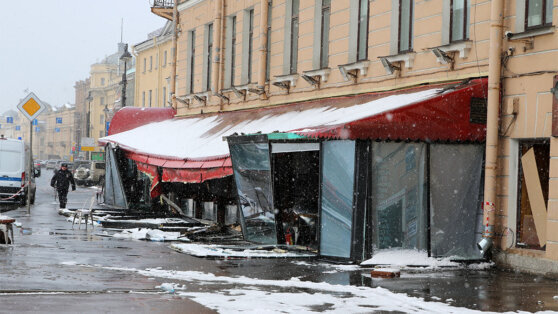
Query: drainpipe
(217,45)
(493,105)
(175,22)
(263,44)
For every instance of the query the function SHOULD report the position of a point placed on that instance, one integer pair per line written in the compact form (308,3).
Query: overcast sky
(46,46)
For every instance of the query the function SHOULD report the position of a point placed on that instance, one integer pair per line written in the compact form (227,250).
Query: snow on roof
(201,137)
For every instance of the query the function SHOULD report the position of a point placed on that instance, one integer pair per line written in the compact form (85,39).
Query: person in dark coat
(61,181)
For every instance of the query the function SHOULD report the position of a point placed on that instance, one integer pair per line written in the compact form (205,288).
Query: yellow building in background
(105,92)
(153,68)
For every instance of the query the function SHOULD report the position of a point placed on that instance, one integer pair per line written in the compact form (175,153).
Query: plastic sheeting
(399,195)
(252,173)
(114,194)
(338,172)
(455,198)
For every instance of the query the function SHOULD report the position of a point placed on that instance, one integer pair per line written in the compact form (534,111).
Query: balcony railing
(163,8)
(163,3)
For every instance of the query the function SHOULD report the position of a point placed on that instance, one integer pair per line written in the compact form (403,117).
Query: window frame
(192,59)
(543,16)
(233,49)
(399,27)
(268,35)
(324,42)
(250,43)
(295,20)
(464,32)
(360,28)
(209,48)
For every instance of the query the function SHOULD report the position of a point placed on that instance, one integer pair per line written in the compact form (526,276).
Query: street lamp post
(126,56)
(89,99)
(106,111)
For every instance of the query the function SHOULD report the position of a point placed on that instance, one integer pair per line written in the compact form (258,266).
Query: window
(144,64)
(102,81)
(538,13)
(362,49)
(143,99)
(533,193)
(150,63)
(164,96)
(209,54)
(294,37)
(156,61)
(268,34)
(250,43)
(232,49)
(405,26)
(191,59)
(458,20)
(324,49)
(150,94)
(247,46)
(102,101)
(165,58)
(101,133)
(102,119)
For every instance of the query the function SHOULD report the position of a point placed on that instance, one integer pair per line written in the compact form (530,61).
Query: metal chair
(85,212)
(6,229)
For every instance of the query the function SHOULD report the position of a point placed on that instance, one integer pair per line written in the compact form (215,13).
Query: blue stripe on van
(10,178)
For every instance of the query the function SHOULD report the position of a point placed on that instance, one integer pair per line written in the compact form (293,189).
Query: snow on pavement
(286,296)
(211,250)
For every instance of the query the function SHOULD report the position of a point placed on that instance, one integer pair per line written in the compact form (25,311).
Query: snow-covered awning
(433,112)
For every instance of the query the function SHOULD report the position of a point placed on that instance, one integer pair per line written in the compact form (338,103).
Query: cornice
(188,4)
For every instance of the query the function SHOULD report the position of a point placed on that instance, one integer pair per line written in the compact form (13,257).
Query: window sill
(406,57)
(360,66)
(463,47)
(531,33)
(322,73)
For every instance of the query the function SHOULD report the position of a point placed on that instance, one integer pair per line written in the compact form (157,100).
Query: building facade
(152,80)
(241,56)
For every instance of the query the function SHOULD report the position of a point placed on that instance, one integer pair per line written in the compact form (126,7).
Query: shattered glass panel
(455,198)
(338,172)
(398,195)
(114,191)
(252,173)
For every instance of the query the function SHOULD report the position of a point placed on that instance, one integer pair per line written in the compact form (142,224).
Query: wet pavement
(42,272)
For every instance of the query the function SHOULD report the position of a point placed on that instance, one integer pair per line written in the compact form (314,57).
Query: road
(54,268)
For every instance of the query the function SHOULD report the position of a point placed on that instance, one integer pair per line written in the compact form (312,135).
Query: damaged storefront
(378,187)
(348,177)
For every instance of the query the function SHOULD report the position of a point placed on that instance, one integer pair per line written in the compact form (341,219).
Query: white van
(14,159)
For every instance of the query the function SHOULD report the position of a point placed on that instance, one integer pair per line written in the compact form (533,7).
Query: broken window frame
(520,182)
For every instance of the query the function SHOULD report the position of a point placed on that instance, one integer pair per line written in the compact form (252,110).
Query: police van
(14,162)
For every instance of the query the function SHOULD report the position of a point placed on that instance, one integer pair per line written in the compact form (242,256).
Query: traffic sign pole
(31,172)
(31,107)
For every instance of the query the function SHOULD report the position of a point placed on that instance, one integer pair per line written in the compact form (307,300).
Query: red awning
(129,118)
(195,175)
(446,117)
(192,150)
(183,171)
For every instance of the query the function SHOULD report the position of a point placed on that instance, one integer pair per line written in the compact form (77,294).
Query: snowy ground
(250,295)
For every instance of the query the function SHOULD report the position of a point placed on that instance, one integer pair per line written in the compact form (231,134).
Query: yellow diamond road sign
(31,106)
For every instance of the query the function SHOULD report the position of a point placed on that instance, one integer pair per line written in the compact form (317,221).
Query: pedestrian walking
(61,181)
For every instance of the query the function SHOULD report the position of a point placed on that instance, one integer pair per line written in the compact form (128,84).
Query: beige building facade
(153,69)
(239,55)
